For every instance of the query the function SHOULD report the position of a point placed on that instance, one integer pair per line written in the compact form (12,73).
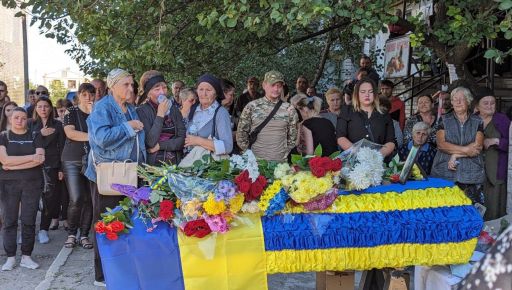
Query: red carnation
(117,226)
(243,176)
(325,163)
(336,164)
(394,178)
(262,180)
(255,192)
(100,227)
(166,209)
(198,228)
(318,171)
(313,162)
(244,186)
(111,236)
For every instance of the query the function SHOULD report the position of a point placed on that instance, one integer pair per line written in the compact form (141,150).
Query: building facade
(12,61)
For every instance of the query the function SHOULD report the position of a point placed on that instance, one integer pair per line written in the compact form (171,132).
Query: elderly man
(268,125)
(101,88)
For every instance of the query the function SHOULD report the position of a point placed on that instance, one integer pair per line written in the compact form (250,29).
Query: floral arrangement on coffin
(395,167)
(363,165)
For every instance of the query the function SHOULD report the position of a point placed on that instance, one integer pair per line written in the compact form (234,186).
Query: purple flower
(323,201)
(225,190)
(136,194)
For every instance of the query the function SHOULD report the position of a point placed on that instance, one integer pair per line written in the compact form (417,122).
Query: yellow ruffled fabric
(395,255)
(407,200)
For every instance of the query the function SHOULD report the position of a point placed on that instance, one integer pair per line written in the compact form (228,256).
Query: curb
(60,260)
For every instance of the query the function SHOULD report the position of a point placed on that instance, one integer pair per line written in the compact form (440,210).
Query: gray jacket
(470,169)
(153,127)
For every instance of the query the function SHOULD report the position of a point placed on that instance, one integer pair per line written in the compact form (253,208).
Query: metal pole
(25,56)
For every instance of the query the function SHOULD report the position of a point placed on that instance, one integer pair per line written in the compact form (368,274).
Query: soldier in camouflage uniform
(279,136)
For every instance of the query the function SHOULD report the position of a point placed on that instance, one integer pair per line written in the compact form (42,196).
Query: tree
(185,38)
(57,90)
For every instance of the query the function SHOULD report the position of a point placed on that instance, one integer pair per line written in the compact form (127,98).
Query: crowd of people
(57,147)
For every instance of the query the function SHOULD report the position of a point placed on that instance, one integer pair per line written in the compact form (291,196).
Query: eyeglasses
(42,93)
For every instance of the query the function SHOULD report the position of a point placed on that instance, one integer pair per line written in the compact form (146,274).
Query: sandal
(70,242)
(85,243)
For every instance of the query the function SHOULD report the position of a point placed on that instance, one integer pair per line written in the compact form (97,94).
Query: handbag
(198,152)
(85,157)
(121,172)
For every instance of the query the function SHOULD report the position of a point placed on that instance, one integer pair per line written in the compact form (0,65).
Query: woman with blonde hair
(364,119)
(334,98)
(315,130)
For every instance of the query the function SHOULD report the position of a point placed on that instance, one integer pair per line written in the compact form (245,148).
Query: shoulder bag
(253,136)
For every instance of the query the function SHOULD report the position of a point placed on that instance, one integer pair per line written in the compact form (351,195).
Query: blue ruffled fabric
(277,203)
(129,262)
(396,187)
(369,229)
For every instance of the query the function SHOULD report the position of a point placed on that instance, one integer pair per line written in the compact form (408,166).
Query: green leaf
(296,158)
(335,154)
(505,4)
(231,22)
(491,53)
(318,150)
(508,34)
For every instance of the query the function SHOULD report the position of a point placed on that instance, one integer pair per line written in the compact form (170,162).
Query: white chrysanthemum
(359,178)
(245,161)
(281,170)
(368,170)
(251,207)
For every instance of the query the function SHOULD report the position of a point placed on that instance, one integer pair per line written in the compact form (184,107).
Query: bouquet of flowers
(363,165)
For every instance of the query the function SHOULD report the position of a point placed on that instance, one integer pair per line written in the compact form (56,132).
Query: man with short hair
(176,88)
(301,85)
(41,91)
(366,62)
(4,94)
(279,136)
(101,88)
(397,111)
(249,95)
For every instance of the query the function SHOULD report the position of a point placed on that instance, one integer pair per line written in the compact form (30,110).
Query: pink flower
(217,223)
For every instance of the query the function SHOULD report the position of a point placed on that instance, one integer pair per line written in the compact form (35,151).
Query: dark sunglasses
(41,93)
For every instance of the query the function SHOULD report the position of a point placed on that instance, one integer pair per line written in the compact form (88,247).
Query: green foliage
(57,90)
(266,168)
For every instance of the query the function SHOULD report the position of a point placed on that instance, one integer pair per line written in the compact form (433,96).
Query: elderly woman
(424,114)
(334,98)
(209,123)
(114,130)
(163,124)
(495,154)
(364,119)
(315,130)
(426,151)
(460,141)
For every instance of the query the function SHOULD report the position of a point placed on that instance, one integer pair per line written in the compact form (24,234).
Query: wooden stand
(330,280)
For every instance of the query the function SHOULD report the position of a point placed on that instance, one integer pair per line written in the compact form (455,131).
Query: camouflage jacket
(277,138)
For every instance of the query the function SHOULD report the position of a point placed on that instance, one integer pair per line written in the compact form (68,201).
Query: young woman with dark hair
(75,150)
(6,115)
(51,130)
(21,155)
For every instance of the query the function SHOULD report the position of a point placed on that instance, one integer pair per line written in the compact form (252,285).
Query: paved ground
(66,269)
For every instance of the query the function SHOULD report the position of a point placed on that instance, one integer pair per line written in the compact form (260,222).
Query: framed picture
(397,57)
(409,163)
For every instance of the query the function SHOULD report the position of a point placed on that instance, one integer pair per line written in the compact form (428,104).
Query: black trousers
(99,205)
(80,204)
(64,200)
(51,199)
(12,194)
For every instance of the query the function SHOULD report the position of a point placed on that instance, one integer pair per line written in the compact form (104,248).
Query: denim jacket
(110,136)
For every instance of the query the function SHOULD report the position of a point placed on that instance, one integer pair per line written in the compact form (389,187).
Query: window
(71,84)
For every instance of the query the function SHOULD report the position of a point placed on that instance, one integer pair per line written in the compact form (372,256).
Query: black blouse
(356,126)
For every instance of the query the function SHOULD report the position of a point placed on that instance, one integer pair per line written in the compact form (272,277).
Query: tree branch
(323,58)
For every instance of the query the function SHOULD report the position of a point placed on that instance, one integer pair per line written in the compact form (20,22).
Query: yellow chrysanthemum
(268,194)
(416,172)
(213,207)
(178,203)
(236,203)
(303,186)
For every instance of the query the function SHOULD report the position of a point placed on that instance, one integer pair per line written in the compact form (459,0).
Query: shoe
(43,237)
(27,262)
(100,284)
(9,264)
(54,225)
